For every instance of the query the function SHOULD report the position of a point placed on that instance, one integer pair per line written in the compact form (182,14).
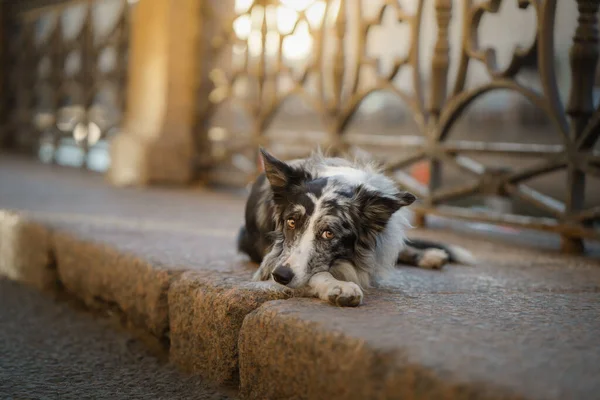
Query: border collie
(331,228)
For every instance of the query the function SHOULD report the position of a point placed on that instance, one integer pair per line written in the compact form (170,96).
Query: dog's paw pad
(433,259)
(345,294)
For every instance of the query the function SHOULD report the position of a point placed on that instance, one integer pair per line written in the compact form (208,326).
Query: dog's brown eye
(291,223)
(327,235)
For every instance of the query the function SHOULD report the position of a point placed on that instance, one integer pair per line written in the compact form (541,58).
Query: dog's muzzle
(283,274)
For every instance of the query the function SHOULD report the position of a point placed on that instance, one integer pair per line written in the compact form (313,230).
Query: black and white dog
(330,228)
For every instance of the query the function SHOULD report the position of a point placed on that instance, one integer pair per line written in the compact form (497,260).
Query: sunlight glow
(242,26)
(217,134)
(298,5)
(298,45)
(255,43)
(315,13)
(94,133)
(281,21)
(286,18)
(242,5)
(90,132)
(80,132)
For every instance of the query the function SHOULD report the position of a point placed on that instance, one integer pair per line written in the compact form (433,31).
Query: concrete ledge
(25,251)
(284,355)
(190,290)
(102,276)
(206,314)
(502,345)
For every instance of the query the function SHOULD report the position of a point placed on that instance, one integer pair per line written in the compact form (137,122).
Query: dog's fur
(332,228)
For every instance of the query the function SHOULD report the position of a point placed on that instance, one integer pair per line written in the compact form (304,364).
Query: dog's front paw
(344,294)
(433,259)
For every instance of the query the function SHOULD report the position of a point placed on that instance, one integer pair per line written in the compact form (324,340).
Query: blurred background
(472,105)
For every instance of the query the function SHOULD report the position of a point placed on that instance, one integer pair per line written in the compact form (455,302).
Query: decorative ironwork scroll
(319,51)
(66,79)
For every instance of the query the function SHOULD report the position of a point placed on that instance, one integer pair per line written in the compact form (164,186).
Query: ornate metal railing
(65,66)
(258,70)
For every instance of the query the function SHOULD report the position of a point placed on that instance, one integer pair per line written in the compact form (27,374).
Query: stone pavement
(522,323)
(51,351)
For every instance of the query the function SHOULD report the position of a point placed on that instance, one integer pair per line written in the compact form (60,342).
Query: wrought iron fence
(65,78)
(316,54)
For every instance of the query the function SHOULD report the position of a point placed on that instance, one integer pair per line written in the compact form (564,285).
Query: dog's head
(322,221)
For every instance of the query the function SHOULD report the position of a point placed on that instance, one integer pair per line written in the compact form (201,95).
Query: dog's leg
(247,245)
(268,264)
(456,254)
(262,274)
(427,258)
(341,293)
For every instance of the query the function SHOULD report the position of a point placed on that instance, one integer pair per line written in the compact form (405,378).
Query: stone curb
(206,314)
(26,252)
(219,325)
(284,356)
(199,313)
(104,277)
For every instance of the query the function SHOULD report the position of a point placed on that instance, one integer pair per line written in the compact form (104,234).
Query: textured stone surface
(124,248)
(102,276)
(427,347)
(52,351)
(25,253)
(501,267)
(119,248)
(135,270)
(206,315)
(140,272)
(522,323)
(55,193)
(132,268)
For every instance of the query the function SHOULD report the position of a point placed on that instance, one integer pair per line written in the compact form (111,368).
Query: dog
(331,228)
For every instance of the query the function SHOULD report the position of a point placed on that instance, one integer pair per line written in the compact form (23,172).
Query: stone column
(156,142)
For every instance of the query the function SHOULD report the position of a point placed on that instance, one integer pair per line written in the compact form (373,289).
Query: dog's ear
(378,208)
(279,173)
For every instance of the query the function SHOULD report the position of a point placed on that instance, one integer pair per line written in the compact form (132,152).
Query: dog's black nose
(283,274)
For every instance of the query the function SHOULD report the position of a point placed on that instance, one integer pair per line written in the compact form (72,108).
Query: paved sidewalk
(522,323)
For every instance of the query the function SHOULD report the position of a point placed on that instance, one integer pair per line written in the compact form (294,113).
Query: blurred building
(176,90)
